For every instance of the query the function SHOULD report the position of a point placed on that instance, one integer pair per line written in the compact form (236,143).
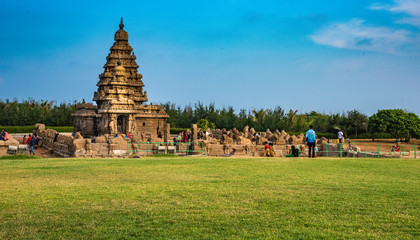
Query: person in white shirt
(341,136)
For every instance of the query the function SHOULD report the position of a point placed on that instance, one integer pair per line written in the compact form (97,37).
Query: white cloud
(354,34)
(409,7)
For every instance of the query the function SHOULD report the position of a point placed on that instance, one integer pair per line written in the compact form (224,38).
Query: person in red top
(24,139)
(267,149)
(29,138)
(129,135)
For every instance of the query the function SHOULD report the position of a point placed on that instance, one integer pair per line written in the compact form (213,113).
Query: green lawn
(209,198)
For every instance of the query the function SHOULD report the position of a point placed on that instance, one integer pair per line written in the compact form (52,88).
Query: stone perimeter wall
(221,142)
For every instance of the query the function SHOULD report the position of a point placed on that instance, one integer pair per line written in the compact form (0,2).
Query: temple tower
(120,95)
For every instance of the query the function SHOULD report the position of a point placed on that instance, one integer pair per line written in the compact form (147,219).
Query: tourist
(350,147)
(116,135)
(36,140)
(393,149)
(24,139)
(4,135)
(200,134)
(93,139)
(340,136)
(267,149)
(271,149)
(295,152)
(179,137)
(56,137)
(310,139)
(184,137)
(129,135)
(316,150)
(32,144)
(29,139)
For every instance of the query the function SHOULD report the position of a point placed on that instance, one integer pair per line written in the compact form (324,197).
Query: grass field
(209,198)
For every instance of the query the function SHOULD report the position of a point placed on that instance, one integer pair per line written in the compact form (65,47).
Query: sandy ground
(385,145)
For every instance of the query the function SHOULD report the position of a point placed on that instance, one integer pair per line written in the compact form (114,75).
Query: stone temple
(120,98)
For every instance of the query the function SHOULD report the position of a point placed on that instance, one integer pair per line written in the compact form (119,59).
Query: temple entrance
(122,124)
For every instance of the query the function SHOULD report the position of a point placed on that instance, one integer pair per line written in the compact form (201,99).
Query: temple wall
(219,143)
(149,126)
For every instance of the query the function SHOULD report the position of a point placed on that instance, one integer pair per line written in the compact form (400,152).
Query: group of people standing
(32,142)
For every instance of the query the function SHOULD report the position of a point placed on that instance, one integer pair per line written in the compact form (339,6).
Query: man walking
(32,144)
(310,139)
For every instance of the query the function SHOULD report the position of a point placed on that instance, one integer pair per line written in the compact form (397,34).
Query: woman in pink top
(5,135)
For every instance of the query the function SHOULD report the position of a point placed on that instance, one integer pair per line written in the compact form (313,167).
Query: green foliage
(18,129)
(19,156)
(357,121)
(61,128)
(204,124)
(210,198)
(397,122)
(368,135)
(29,112)
(178,130)
(353,122)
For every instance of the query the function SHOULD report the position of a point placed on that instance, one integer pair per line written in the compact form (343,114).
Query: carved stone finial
(121,24)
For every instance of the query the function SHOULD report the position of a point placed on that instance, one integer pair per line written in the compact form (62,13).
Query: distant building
(119,98)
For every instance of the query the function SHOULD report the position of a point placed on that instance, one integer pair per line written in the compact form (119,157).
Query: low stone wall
(219,142)
(4,145)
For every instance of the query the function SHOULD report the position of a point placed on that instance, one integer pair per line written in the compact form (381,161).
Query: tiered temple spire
(120,97)
(127,88)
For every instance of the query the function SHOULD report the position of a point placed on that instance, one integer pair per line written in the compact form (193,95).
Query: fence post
(326,146)
(147,151)
(188,148)
(341,150)
(415,151)
(201,148)
(138,148)
(128,147)
(403,151)
(390,152)
(352,148)
(378,149)
(365,150)
(158,148)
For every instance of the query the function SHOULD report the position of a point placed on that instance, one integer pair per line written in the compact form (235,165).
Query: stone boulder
(226,140)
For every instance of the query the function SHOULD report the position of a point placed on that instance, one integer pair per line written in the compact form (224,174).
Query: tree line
(30,111)
(389,123)
(384,124)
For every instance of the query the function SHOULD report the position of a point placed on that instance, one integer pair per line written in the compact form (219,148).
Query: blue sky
(327,56)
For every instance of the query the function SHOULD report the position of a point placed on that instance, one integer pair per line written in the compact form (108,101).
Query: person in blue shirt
(310,139)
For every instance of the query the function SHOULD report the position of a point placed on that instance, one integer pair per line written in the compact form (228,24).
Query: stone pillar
(167,132)
(194,132)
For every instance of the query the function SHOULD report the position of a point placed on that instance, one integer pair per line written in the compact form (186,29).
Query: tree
(204,124)
(396,122)
(357,120)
